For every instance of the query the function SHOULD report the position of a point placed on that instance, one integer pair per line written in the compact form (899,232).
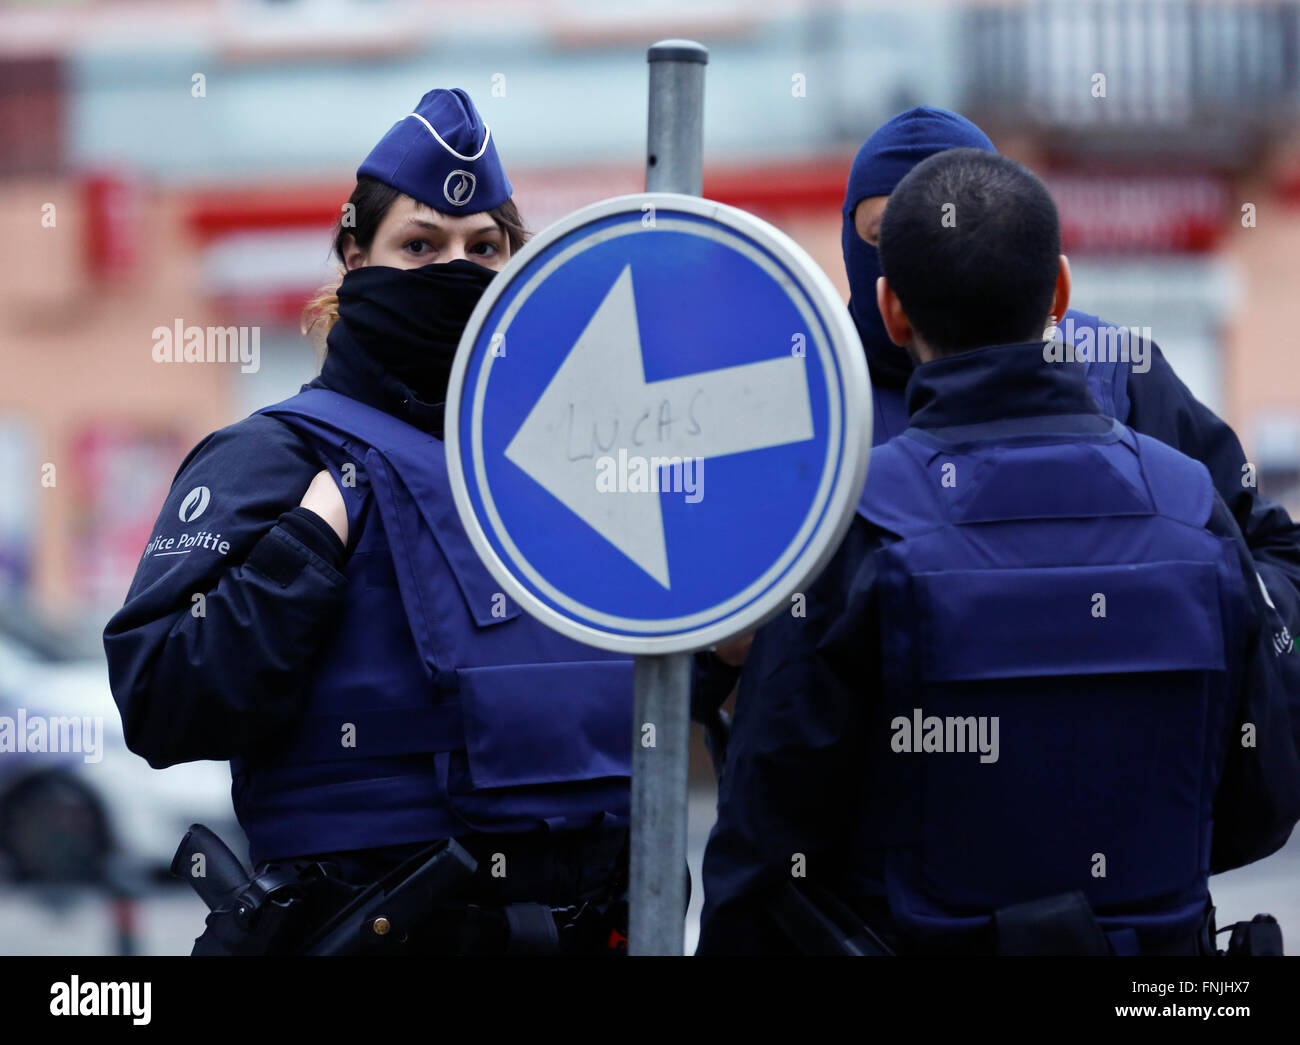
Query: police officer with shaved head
(1036,700)
(1132,382)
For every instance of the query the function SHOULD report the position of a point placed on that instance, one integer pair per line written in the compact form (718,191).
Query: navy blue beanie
(442,155)
(882,162)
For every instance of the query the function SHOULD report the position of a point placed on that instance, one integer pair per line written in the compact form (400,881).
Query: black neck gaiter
(400,327)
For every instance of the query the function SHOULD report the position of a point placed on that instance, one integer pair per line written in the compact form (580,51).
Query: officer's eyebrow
(434,226)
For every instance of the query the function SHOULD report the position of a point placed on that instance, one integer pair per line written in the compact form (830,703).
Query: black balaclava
(882,162)
(407,321)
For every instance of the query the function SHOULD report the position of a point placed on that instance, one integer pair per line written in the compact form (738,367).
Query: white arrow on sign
(599,403)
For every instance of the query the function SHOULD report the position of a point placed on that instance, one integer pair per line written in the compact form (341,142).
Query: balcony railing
(1195,71)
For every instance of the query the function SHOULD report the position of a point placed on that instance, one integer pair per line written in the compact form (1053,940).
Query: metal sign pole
(657,885)
(661,724)
(675,142)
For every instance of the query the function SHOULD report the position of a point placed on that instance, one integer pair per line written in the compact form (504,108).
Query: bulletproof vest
(1107,381)
(1058,634)
(437,707)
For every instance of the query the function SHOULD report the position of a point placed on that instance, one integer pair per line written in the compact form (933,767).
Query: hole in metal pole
(652,161)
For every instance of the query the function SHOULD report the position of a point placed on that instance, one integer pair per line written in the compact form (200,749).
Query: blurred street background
(169,162)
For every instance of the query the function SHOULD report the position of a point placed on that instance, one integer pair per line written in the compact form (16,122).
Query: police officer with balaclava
(1035,700)
(310,608)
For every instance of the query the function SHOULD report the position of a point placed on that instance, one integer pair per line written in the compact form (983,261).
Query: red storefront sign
(1140,213)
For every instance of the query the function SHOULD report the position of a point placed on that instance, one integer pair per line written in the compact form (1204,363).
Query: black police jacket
(205,656)
(795,764)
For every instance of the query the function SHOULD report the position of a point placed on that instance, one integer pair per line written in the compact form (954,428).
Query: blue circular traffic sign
(658,423)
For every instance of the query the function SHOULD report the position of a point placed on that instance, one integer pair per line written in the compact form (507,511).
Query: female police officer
(310,608)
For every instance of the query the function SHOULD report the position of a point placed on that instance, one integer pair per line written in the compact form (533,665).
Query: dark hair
(369,203)
(969,242)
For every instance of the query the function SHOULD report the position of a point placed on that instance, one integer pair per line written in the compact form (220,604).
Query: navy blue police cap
(442,155)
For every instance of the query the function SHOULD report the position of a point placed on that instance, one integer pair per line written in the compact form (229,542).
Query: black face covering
(407,321)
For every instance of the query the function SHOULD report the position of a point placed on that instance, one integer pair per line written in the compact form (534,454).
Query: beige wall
(73,353)
(1262,365)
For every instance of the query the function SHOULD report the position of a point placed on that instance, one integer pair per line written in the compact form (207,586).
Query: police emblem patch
(458,188)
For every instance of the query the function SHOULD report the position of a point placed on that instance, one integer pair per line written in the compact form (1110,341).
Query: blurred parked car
(66,819)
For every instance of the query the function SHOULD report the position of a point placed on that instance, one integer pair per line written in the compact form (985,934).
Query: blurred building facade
(183,163)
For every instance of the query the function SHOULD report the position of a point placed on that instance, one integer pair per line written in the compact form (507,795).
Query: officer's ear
(353,255)
(1061,298)
(897,325)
